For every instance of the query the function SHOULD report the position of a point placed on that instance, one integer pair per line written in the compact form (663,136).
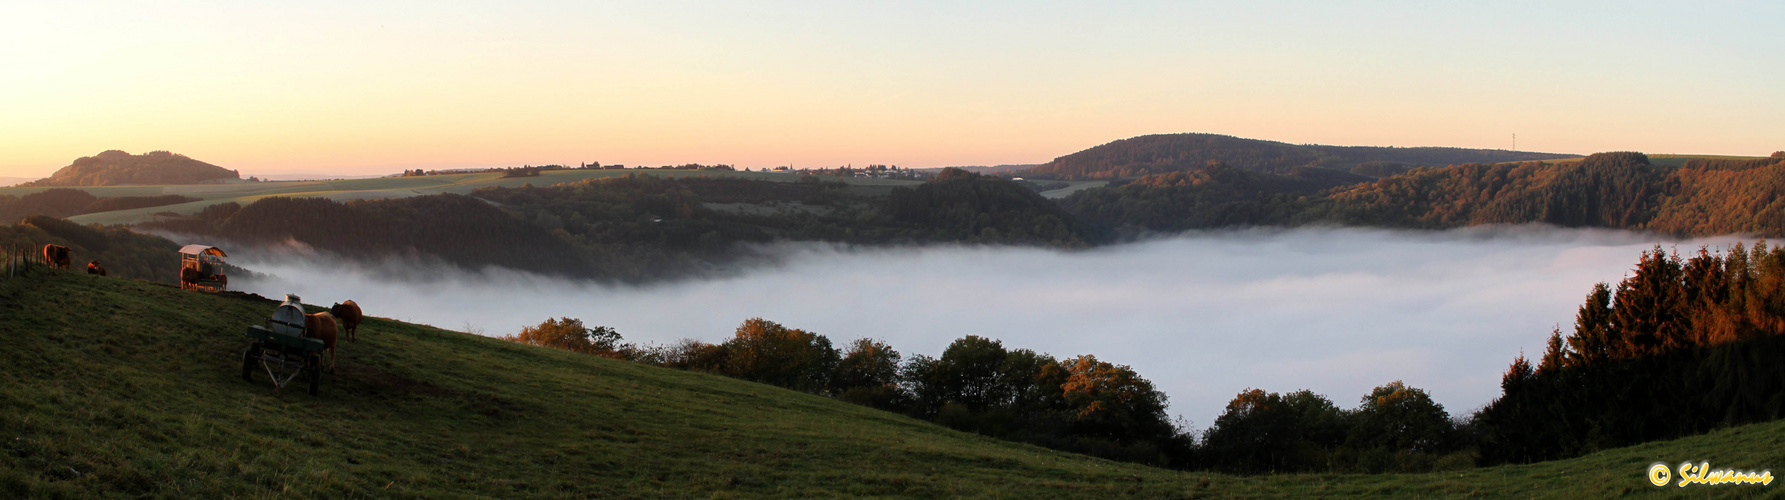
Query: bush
(569,334)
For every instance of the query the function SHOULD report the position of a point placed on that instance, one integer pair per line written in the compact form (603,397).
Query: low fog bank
(1203,315)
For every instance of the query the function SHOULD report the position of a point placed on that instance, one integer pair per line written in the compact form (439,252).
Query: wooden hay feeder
(201,268)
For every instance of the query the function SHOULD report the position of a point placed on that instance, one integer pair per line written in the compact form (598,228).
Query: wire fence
(20,260)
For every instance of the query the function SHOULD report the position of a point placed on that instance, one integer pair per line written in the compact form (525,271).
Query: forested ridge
(65,202)
(454,228)
(1165,153)
(641,227)
(1608,190)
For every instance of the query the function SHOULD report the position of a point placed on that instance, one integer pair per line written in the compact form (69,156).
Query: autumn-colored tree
(569,334)
(868,374)
(1113,401)
(765,351)
(867,362)
(1402,419)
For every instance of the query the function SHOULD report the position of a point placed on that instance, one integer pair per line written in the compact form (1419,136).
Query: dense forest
(640,227)
(1679,347)
(65,202)
(1212,196)
(1610,190)
(114,168)
(1166,153)
(454,228)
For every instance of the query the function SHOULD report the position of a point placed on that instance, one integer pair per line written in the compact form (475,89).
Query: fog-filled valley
(1202,315)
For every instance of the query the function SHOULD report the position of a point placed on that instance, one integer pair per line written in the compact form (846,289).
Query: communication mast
(1515,141)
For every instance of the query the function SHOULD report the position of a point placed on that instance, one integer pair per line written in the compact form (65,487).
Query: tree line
(1166,153)
(1609,190)
(455,228)
(68,202)
(1080,404)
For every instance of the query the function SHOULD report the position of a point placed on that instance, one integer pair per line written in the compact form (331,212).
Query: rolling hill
(385,188)
(118,168)
(115,387)
(1165,153)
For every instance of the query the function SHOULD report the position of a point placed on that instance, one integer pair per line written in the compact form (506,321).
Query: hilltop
(1165,153)
(122,387)
(118,168)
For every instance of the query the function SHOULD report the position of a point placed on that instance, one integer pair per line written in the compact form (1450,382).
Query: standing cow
(56,256)
(349,314)
(322,326)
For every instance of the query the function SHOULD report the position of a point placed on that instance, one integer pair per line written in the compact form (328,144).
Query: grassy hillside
(112,387)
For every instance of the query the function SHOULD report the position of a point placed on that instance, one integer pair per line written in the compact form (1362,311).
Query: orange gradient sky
(347,88)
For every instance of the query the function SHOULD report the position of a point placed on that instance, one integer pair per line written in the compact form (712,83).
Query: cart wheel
(248,358)
(313,364)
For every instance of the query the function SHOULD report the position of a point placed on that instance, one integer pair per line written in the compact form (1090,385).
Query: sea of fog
(1202,315)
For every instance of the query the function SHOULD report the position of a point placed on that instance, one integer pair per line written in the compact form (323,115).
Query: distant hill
(994,169)
(1164,153)
(115,168)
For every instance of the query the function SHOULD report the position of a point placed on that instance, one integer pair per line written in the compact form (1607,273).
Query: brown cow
(349,314)
(56,256)
(189,278)
(93,267)
(322,326)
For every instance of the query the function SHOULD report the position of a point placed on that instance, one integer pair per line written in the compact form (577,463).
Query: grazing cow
(93,267)
(56,256)
(322,326)
(349,314)
(189,277)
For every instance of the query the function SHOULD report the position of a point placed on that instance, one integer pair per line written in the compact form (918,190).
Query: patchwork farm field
(113,387)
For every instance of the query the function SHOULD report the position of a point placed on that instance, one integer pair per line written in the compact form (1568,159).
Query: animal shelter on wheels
(201,268)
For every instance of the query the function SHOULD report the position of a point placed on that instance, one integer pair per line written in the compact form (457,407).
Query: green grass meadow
(120,388)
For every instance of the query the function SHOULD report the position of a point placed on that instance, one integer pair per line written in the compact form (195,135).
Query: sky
(1202,315)
(374,87)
